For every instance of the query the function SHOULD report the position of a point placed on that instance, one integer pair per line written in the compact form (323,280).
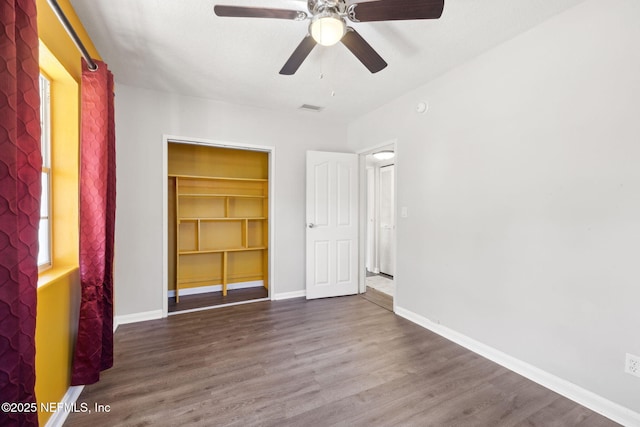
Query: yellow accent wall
(59,287)
(56,326)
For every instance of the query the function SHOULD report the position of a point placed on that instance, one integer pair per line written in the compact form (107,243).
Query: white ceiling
(182,47)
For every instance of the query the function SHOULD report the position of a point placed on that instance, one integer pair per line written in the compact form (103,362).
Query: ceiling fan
(328,24)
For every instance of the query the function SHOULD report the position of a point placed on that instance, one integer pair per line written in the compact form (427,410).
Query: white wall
(523,186)
(142,117)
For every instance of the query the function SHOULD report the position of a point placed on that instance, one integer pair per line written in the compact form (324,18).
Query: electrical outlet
(632,365)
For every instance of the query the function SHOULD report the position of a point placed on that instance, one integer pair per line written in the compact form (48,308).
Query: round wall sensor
(421,107)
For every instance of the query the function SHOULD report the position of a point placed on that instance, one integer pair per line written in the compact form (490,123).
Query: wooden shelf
(247,218)
(219,178)
(247,196)
(217,251)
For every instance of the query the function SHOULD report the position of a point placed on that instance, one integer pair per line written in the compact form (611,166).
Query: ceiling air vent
(309,107)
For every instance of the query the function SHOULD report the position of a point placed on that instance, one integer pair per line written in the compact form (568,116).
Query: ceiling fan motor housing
(318,6)
(327,26)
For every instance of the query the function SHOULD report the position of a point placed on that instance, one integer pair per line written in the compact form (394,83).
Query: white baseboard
(288,295)
(599,404)
(216,288)
(136,317)
(70,397)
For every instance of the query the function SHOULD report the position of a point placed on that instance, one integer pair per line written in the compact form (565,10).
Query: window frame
(45,145)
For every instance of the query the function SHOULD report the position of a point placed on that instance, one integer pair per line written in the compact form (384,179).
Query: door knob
(311,225)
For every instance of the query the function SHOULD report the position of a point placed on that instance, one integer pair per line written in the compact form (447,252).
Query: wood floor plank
(380,298)
(330,362)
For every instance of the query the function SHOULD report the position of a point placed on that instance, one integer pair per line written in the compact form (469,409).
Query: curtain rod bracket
(72,33)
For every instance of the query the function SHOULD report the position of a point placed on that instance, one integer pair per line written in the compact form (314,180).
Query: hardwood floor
(212,299)
(336,361)
(380,298)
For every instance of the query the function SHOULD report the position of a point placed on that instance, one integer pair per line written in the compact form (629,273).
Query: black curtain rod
(72,33)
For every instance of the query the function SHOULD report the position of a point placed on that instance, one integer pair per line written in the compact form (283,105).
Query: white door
(387,221)
(332,224)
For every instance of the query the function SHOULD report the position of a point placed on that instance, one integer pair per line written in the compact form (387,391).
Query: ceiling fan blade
(298,56)
(258,12)
(395,10)
(363,51)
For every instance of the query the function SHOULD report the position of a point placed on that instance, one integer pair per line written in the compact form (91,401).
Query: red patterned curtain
(20,168)
(94,345)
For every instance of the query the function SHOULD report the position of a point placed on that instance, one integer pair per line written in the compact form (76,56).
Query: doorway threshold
(378,298)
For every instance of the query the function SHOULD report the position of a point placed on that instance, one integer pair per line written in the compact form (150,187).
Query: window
(44,231)
(58,233)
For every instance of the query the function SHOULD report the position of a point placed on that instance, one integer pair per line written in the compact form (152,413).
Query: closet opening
(217,226)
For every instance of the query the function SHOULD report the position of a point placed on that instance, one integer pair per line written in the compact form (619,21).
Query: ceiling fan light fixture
(327,28)
(384,155)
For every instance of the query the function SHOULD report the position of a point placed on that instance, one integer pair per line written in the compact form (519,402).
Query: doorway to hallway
(380,230)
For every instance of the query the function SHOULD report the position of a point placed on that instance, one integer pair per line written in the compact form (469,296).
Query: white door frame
(165,206)
(362,154)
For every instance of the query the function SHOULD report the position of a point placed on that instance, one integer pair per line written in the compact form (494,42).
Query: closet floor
(212,299)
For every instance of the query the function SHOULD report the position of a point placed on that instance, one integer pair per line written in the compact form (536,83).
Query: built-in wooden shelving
(221,230)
